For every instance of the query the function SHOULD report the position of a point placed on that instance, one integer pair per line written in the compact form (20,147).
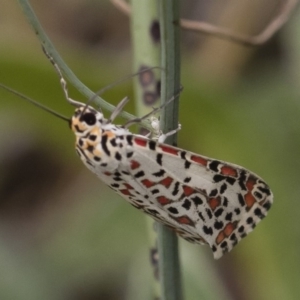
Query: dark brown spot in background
(155,31)
(149,98)
(146,77)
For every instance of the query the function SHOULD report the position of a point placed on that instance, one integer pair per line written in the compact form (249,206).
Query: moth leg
(118,109)
(162,137)
(63,82)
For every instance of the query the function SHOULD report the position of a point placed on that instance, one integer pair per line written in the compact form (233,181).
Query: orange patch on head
(188,190)
(77,123)
(109,134)
(228,171)
(166,181)
(163,200)
(134,164)
(249,199)
(200,160)
(214,202)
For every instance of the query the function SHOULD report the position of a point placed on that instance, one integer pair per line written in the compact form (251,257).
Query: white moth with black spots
(204,200)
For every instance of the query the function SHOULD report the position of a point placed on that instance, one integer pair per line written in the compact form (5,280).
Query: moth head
(85,119)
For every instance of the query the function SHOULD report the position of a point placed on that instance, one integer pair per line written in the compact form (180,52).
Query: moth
(204,200)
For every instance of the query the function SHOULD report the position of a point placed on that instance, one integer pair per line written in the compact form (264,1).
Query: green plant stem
(146,53)
(50,49)
(169,266)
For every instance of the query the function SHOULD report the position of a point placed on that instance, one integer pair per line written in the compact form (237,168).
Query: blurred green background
(64,235)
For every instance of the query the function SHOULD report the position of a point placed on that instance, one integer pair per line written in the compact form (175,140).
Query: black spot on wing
(241,199)
(176,189)
(173,210)
(160,173)
(213,193)
(267,205)
(129,139)
(113,142)
(155,191)
(230,180)
(183,154)
(218,225)
(258,195)
(187,179)
(242,180)
(201,216)
(223,188)
(218,178)
(152,145)
(207,230)
(186,204)
(209,213)
(264,190)
(228,217)
(129,154)
(197,200)
(159,158)
(214,165)
(118,156)
(218,212)
(104,144)
(139,174)
(187,164)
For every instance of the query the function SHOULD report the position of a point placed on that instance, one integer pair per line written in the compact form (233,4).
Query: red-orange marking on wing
(163,200)
(168,149)
(214,202)
(188,190)
(166,181)
(228,171)
(200,160)
(250,183)
(226,232)
(107,173)
(128,186)
(134,164)
(229,229)
(220,237)
(249,199)
(125,192)
(140,142)
(147,183)
(184,220)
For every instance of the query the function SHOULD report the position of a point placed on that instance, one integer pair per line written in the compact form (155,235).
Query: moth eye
(89,118)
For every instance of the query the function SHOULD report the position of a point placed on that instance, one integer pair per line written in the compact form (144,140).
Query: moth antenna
(103,90)
(63,82)
(36,103)
(154,110)
(118,109)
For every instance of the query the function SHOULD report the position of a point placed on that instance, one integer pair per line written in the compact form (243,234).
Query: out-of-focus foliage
(64,235)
